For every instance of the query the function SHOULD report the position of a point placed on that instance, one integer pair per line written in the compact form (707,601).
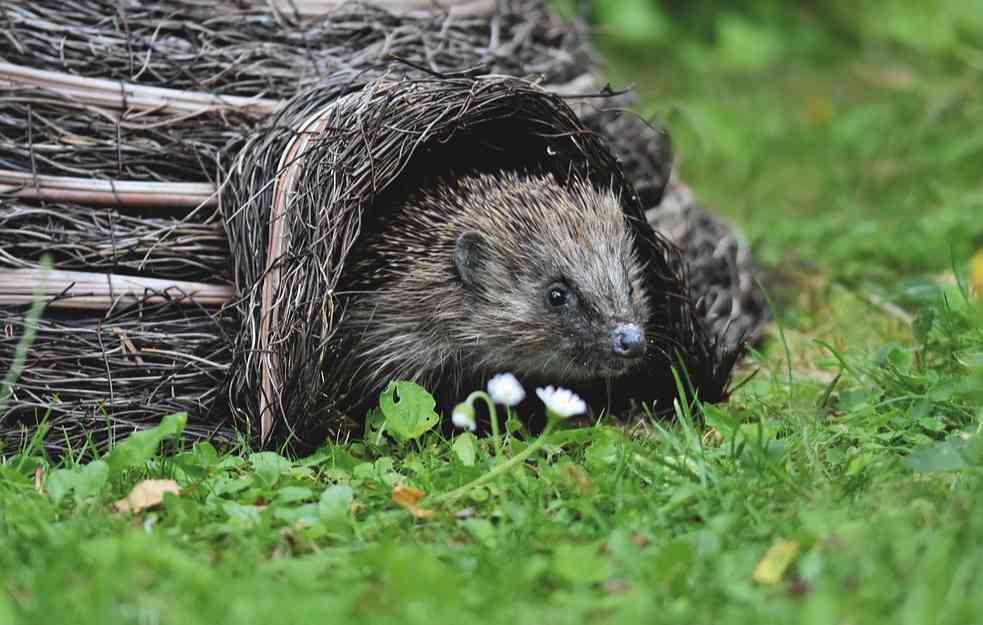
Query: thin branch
(124,95)
(131,193)
(83,290)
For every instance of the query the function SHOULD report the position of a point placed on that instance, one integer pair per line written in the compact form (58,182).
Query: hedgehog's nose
(628,341)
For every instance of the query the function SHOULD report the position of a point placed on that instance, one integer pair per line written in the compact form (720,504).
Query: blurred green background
(844,137)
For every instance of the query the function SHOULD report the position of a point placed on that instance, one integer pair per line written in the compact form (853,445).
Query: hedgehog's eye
(557,295)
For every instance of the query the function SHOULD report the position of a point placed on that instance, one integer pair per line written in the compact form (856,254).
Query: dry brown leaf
(819,111)
(776,561)
(407,498)
(976,273)
(39,479)
(407,495)
(146,494)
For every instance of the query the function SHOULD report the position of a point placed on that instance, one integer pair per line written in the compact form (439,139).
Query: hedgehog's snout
(627,341)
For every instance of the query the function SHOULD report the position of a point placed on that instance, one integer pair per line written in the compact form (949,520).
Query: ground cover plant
(841,483)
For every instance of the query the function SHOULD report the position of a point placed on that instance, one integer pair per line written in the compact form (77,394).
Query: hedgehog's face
(586,318)
(573,308)
(589,330)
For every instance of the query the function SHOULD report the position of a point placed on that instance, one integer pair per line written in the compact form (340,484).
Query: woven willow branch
(123,95)
(131,193)
(82,290)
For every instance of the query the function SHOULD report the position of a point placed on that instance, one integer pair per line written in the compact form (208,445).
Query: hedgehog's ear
(469,256)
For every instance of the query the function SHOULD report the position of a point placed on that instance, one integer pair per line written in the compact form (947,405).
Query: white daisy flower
(505,389)
(561,402)
(463,417)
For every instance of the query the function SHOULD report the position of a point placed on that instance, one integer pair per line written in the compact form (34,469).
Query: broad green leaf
(197,463)
(335,502)
(950,455)
(83,482)
(244,516)
(205,454)
(269,466)
(291,494)
(184,512)
(335,456)
(364,471)
(408,409)
(465,446)
(384,465)
(60,483)
(225,485)
(140,446)
(306,515)
(92,477)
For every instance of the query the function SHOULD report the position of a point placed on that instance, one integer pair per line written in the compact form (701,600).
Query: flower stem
(499,469)
(492,416)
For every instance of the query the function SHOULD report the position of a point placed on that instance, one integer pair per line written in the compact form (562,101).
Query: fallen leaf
(406,495)
(39,479)
(776,561)
(146,494)
(713,438)
(407,498)
(819,111)
(976,273)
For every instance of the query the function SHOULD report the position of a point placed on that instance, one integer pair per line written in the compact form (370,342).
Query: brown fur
(412,315)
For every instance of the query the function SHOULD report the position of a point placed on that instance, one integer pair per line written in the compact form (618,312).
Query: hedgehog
(485,273)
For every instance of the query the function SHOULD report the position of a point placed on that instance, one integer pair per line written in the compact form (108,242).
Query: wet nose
(628,341)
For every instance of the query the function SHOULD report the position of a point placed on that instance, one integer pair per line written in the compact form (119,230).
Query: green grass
(849,147)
